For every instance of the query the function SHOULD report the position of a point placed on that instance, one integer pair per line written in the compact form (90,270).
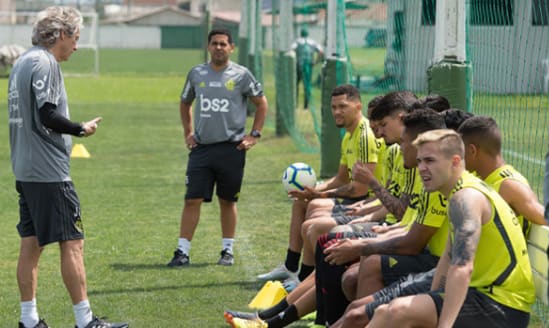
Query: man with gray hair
(40,144)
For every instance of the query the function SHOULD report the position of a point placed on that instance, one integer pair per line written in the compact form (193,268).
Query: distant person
(308,52)
(41,145)
(215,134)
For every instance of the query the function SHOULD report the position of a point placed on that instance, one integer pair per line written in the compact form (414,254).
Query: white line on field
(524,157)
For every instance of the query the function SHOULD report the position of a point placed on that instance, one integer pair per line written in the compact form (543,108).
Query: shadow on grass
(147,266)
(240,284)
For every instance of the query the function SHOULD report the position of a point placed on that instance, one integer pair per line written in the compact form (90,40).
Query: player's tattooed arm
(389,246)
(396,205)
(342,191)
(466,218)
(441,282)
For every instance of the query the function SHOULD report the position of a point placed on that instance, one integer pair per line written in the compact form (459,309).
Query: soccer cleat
(245,323)
(241,315)
(40,324)
(226,258)
(278,273)
(179,259)
(291,283)
(101,323)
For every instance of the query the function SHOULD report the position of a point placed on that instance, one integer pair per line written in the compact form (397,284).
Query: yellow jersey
(496,178)
(501,266)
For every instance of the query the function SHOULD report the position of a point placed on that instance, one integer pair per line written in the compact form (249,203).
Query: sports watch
(82,132)
(255,134)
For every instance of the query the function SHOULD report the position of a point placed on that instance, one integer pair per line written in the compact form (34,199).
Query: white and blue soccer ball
(297,176)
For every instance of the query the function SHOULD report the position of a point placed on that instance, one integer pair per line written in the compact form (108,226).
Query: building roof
(164,15)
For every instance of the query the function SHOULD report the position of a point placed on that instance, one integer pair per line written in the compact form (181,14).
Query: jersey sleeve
(45,85)
(188,93)
(250,86)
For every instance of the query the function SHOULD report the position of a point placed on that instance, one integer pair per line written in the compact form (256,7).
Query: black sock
(292,260)
(274,310)
(283,319)
(305,271)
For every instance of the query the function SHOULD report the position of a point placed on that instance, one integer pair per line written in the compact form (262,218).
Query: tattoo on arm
(467,225)
(342,191)
(441,282)
(389,246)
(397,206)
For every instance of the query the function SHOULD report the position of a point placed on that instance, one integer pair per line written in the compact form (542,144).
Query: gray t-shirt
(38,154)
(220,108)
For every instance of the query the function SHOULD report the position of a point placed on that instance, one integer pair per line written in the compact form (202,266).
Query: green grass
(131,191)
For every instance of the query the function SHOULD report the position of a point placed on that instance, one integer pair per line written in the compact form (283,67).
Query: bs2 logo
(214,104)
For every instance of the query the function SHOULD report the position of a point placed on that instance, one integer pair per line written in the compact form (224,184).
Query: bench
(538,244)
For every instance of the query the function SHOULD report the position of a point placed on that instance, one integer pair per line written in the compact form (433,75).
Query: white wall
(110,36)
(124,36)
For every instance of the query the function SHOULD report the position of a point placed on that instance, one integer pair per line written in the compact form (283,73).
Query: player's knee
(370,264)
(349,282)
(356,315)
(305,229)
(382,312)
(398,309)
(193,202)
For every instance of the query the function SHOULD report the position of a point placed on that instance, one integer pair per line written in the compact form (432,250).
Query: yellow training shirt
(501,267)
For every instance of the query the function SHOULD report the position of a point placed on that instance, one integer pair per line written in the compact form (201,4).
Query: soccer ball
(298,176)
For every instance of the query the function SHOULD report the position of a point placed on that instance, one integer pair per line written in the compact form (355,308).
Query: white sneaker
(278,273)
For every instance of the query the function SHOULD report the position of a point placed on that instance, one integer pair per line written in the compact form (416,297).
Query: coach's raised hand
(90,127)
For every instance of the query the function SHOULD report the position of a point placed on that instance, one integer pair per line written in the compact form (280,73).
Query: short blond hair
(449,141)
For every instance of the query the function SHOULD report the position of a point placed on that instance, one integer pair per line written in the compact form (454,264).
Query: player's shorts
(49,211)
(479,310)
(220,165)
(412,284)
(356,230)
(393,267)
(341,206)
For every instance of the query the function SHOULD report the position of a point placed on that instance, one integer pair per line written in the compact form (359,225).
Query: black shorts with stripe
(220,165)
(49,211)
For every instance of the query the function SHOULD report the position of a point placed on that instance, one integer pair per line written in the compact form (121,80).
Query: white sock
(227,243)
(29,313)
(184,245)
(82,313)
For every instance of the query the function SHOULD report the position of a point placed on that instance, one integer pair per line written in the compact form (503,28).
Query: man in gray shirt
(40,152)
(218,142)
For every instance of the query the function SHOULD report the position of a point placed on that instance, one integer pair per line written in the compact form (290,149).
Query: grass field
(131,191)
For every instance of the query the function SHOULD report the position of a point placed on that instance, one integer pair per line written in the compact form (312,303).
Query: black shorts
(49,211)
(220,164)
(479,310)
(394,267)
(412,284)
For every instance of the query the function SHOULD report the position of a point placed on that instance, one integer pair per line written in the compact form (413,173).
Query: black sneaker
(40,324)
(101,323)
(226,258)
(179,259)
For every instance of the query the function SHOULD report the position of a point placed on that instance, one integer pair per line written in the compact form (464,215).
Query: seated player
(358,144)
(471,287)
